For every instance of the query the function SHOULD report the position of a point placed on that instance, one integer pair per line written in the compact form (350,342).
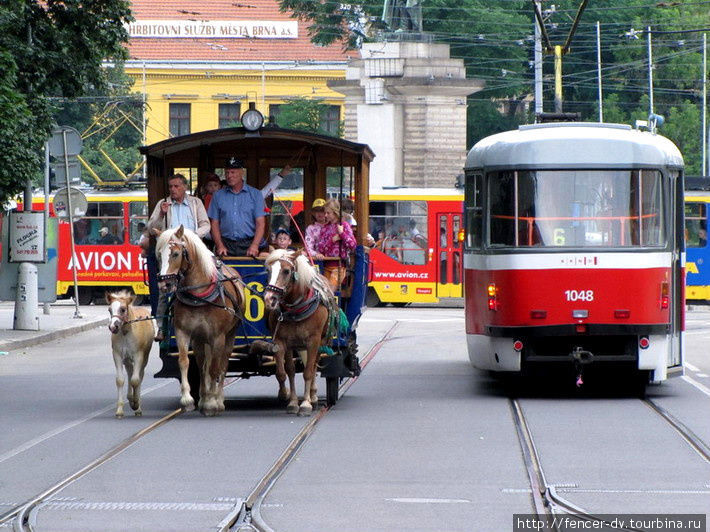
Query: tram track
(549,506)
(693,440)
(246,516)
(24,516)
(547,502)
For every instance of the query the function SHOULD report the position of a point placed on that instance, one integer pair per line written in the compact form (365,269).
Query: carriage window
(288,198)
(696,225)
(474,217)
(102,224)
(583,208)
(400,230)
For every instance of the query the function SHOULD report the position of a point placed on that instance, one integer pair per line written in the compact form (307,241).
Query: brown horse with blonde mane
(299,303)
(208,306)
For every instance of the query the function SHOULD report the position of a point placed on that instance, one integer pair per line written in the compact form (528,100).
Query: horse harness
(215,289)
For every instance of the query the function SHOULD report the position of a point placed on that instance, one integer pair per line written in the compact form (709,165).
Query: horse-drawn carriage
(321,166)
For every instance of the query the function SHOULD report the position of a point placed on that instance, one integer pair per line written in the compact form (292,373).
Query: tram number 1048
(579,295)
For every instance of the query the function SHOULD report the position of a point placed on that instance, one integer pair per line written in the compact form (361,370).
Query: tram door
(449,256)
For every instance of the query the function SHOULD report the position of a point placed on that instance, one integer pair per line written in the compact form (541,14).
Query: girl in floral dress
(336,240)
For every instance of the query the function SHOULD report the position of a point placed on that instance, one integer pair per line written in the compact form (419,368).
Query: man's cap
(103,231)
(233,162)
(282,231)
(319,202)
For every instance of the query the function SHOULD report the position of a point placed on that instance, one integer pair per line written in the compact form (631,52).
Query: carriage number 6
(579,295)
(251,297)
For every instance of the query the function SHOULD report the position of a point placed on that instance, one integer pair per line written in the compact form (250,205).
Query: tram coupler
(581,357)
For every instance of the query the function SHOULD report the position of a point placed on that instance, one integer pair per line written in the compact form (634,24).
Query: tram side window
(102,224)
(502,209)
(400,230)
(474,212)
(696,224)
(138,218)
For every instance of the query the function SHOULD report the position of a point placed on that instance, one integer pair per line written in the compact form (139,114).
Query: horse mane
(121,294)
(308,275)
(204,257)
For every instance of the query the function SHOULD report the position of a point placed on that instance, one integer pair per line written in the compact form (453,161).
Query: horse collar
(302,308)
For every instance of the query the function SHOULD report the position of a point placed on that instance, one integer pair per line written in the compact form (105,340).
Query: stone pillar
(407,100)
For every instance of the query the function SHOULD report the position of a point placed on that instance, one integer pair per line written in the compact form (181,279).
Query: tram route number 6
(579,295)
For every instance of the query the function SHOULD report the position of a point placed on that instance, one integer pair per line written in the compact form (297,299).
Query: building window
(330,120)
(179,119)
(229,114)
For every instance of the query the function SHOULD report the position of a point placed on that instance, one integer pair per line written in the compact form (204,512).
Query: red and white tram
(574,250)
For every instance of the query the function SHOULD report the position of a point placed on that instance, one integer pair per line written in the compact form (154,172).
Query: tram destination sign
(213,29)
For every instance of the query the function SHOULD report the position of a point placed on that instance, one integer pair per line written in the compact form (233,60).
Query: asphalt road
(421,441)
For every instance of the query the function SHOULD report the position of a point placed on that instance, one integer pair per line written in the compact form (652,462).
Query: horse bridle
(279,291)
(177,276)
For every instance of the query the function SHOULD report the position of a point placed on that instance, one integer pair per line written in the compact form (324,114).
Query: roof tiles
(215,49)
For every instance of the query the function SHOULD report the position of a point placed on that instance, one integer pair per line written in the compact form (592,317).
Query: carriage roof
(261,150)
(574,144)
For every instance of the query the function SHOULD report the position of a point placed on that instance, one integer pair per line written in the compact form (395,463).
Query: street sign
(73,140)
(60,174)
(79,204)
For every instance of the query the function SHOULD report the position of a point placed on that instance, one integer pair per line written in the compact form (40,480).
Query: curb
(13,345)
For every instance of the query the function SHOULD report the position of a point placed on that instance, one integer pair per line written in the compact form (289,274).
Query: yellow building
(199,65)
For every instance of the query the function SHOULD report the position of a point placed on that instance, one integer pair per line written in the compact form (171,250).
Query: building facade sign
(213,29)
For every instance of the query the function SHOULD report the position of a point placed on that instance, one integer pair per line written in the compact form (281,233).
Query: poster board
(26,243)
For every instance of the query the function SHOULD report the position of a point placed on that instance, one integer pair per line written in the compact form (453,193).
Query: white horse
(131,340)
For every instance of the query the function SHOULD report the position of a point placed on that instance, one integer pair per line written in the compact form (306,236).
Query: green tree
(305,114)
(50,49)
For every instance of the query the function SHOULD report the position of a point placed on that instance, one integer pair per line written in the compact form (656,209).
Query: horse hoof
(138,413)
(305,410)
(119,415)
(292,409)
(284,395)
(187,402)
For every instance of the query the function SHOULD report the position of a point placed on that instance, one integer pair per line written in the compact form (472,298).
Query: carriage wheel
(331,390)
(193,379)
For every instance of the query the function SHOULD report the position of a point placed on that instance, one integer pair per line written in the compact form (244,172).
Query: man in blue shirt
(236,215)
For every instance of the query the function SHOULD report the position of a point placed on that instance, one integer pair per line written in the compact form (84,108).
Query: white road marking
(691,367)
(417,500)
(43,437)
(695,383)
(410,320)
(682,492)
(701,375)
(163,506)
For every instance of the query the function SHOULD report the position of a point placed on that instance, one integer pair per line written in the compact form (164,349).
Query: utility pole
(538,65)
(650,75)
(705,170)
(599,72)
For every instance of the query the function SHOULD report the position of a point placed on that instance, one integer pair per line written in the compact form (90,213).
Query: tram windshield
(576,208)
